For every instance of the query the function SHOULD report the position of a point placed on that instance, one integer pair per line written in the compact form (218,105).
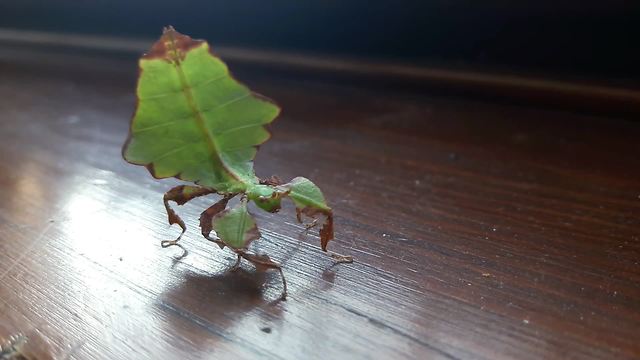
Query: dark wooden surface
(479,230)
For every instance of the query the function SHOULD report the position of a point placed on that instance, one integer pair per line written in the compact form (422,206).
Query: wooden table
(479,230)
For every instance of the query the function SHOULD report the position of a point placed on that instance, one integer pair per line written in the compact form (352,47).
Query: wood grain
(479,230)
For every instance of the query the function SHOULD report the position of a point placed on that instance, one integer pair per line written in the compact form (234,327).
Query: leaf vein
(240,234)
(226,131)
(170,152)
(169,123)
(196,86)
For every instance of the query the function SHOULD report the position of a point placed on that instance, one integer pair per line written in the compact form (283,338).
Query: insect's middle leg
(180,195)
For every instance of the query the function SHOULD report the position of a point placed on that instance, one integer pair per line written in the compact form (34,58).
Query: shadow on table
(220,301)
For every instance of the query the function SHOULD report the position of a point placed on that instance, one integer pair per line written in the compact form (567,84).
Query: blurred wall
(598,40)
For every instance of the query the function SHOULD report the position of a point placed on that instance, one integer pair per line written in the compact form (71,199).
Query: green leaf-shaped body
(194,121)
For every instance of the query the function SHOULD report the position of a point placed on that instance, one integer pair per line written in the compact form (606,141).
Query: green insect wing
(193,120)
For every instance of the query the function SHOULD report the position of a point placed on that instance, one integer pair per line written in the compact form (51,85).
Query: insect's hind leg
(236,266)
(180,195)
(264,262)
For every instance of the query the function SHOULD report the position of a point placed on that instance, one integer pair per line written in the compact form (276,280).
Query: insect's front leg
(180,195)
(207,216)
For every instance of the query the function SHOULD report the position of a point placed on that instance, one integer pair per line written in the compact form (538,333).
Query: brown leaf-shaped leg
(206,220)
(326,231)
(263,263)
(180,195)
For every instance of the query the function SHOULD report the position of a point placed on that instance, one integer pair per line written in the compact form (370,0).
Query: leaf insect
(195,122)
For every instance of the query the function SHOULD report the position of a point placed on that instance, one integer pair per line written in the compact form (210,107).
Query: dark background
(572,39)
